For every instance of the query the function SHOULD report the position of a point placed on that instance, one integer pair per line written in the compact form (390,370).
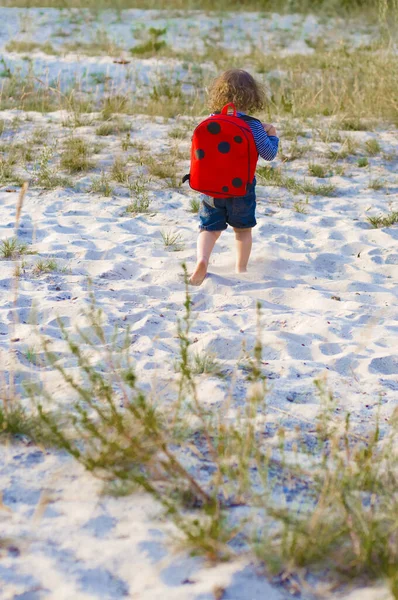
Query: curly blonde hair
(239,87)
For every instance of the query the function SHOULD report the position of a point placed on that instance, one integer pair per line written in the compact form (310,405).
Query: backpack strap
(248,118)
(227,107)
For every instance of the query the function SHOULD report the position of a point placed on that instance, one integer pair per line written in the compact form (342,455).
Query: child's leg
(205,245)
(243,238)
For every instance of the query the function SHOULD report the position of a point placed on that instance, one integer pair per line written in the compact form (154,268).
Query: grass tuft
(102,185)
(373,147)
(12,249)
(76,156)
(275,177)
(363,162)
(140,196)
(317,170)
(47,265)
(172,241)
(384,220)
(194,205)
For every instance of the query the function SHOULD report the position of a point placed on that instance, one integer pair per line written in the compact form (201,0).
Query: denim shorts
(216,214)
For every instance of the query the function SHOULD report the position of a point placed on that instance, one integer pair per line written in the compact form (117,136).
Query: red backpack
(223,156)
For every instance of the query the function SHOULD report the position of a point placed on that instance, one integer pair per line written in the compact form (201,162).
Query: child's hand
(270,129)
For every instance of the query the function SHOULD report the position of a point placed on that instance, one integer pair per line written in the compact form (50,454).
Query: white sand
(327,282)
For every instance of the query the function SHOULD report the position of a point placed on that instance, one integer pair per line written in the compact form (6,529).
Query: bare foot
(199,274)
(240,270)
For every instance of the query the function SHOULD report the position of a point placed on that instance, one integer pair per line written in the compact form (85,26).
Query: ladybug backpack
(223,155)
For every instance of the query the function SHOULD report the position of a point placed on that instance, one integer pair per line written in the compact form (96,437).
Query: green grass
(47,265)
(119,172)
(376,184)
(113,128)
(355,124)
(164,165)
(24,47)
(295,151)
(101,44)
(291,131)
(45,173)
(384,220)
(349,147)
(179,133)
(339,82)
(76,156)
(148,48)
(12,248)
(171,240)
(275,177)
(151,44)
(300,207)
(317,170)
(373,147)
(194,205)
(330,135)
(102,185)
(339,523)
(206,363)
(8,174)
(139,194)
(364,8)
(363,162)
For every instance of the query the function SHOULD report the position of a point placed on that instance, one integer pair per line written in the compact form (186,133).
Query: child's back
(221,205)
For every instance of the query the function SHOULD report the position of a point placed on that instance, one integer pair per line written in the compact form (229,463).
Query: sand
(327,283)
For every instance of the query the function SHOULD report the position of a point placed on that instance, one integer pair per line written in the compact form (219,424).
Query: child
(239,87)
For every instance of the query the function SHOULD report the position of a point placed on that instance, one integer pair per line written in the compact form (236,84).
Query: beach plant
(119,172)
(164,166)
(275,177)
(99,44)
(194,205)
(206,363)
(342,514)
(373,147)
(102,185)
(329,135)
(384,220)
(25,47)
(178,133)
(115,104)
(138,188)
(363,162)
(317,170)
(76,155)
(113,127)
(376,183)
(126,142)
(300,207)
(45,265)
(295,151)
(348,147)
(12,248)
(151,44)
(354,124)
(45,174)
(292,130)
(120,433)
(172,240)
(7,172)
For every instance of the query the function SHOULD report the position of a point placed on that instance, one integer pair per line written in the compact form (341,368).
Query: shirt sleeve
(267,145)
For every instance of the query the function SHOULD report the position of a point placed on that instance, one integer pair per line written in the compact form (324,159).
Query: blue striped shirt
(267,145)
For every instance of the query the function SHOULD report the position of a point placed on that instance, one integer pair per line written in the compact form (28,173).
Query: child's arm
(270,129)
(266,140)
